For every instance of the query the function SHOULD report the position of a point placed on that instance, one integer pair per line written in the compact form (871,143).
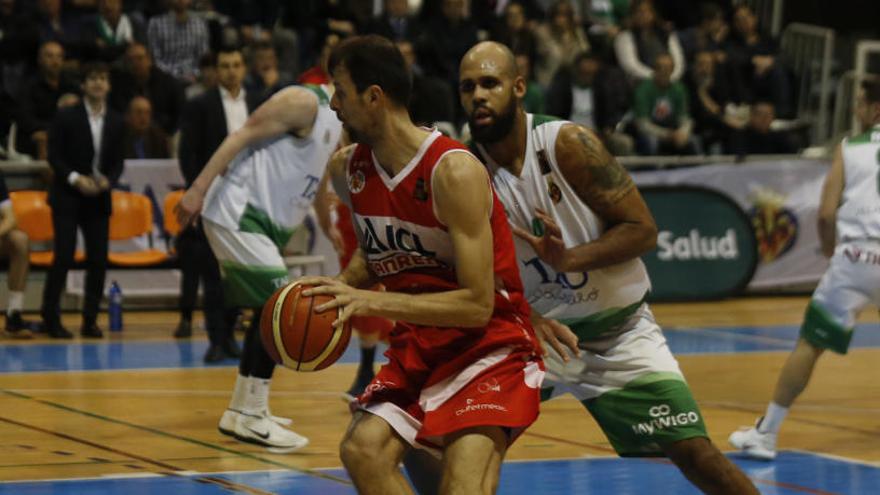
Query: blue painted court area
(792,473)
(133,354)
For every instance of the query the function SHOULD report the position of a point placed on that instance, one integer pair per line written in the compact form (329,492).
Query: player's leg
(424,471)
(707,468)
(251,270)
(472,461)
(828,324)
(15,246)
(371,451)
(633,387)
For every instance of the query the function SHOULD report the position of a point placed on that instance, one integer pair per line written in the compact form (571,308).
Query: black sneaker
(184,330)
(16,327)
(91,331)
(231,348)
(57,331)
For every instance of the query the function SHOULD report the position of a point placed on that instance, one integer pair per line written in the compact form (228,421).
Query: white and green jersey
(858,217)
(594,304)
(269,188)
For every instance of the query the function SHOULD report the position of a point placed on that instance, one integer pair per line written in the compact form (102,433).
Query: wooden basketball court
(138,412)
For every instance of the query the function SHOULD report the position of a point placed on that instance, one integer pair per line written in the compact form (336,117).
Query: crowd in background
(651,77)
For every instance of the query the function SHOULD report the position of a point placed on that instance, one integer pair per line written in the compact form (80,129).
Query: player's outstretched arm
(292,109)
(832,191)
(462,201)
(606,187)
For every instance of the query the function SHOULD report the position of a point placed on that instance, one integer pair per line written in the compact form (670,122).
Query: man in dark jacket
(85,153)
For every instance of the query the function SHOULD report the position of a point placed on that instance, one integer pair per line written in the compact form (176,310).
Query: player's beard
(499,128)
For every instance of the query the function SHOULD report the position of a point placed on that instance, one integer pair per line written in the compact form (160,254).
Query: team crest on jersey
(554,191)
(356,182)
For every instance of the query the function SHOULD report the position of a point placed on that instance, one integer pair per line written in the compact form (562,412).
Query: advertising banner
(706,247)
(781,198)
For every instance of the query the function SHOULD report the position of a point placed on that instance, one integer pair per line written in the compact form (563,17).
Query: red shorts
(502,388)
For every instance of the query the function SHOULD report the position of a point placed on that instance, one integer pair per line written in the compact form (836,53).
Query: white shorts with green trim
(251,266)
(633,387)
(851,283)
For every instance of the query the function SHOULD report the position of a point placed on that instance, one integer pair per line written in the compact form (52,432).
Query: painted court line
(182,438)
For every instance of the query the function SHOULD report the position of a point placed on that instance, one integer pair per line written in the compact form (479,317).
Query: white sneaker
(230,416)
(752,443)
(263,431)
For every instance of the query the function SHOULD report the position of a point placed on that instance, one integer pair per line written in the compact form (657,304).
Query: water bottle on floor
(114,309)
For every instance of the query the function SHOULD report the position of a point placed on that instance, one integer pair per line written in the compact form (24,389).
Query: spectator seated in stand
(178,39)
(754,59)
(265,78)
(143,139)
(758,138)
(432,100)
(397,22)
(661,110)
(594,96)
(560,40)
(140,77)
(638,47)
(516,32)
(712,102)
(39,101)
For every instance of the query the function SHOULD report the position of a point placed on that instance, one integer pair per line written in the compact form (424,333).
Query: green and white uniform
(852,281)
(251,212)
(626,377)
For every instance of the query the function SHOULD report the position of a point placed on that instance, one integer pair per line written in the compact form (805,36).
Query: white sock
(15,301)
(257,399)
(773,418)
(242,384)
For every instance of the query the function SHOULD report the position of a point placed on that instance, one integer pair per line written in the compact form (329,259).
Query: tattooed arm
(607,189)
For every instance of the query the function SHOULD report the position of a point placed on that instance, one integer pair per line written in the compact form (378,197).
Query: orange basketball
(296,336)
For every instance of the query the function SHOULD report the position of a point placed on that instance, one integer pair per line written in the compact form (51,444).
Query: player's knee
(808,347)
(361,448)
(695,455)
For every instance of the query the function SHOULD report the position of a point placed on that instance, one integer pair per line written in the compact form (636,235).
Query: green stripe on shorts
(821,330)
(594,326)
(653,410)
(250,286)
(257,221)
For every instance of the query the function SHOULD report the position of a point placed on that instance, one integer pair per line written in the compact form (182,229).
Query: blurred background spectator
(143,139)
(661,111)
(560,39)
(647,38)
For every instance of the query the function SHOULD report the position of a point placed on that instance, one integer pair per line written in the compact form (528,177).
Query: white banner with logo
(782,200)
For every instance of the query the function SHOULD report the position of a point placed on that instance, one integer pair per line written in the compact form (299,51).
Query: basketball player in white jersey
(581,226)
(253,194)
(849,231)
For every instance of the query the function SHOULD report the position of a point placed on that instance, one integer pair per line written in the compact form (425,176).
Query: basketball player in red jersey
(464,368)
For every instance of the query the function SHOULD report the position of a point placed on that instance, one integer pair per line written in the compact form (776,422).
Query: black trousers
(197,262)
(95,226)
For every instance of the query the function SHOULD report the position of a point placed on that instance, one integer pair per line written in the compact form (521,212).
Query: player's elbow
(480,311)
(647,236)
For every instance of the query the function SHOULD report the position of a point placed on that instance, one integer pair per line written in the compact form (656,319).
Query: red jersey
(411,250)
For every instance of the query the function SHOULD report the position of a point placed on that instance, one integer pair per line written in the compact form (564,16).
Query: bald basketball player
(581,226)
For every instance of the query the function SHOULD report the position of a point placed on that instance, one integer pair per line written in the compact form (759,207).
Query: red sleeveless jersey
(411,250)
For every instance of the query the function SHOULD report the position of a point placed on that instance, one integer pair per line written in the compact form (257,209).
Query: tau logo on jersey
(356,182)
(395,239)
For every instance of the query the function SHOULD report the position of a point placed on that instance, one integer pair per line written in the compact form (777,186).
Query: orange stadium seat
(34,216)
(132,217)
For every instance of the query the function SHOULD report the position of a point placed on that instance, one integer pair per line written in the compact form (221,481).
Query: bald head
(490,56)
(490,89)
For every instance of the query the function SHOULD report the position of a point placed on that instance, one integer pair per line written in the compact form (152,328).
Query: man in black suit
(85,153)
(206,121)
